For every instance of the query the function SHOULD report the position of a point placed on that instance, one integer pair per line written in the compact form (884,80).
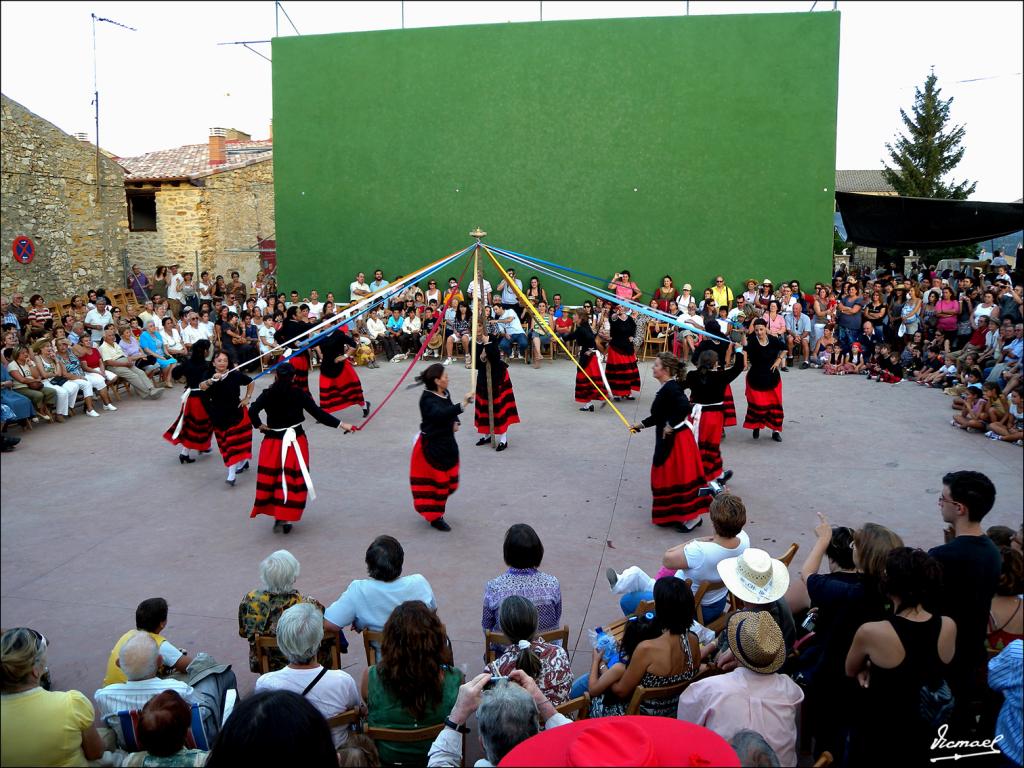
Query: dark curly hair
(912,576)
(412,649)
(1011,576)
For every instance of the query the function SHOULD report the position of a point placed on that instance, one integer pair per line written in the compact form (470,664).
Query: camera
(495,679)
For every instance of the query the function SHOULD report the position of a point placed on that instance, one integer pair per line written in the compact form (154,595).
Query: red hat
(628,740)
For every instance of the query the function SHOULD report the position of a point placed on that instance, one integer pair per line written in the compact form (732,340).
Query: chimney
(82,136)
(218,156)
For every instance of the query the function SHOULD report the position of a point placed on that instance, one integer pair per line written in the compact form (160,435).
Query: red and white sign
(24,249)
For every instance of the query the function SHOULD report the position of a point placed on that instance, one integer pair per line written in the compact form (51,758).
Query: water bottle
(606,644)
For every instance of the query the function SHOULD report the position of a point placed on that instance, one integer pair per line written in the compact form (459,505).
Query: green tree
(924,155)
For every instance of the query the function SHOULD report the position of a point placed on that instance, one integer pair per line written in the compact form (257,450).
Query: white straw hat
(755,576)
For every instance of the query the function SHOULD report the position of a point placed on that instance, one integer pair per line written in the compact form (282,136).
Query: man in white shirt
(316,307)
(358,289)
(97,319)
(367,603)
(509,299)
(116,361)
(193,332)
(510,327)
(174,283)
(139,659)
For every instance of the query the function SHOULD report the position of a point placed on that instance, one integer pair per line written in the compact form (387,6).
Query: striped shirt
(1005,673)
(135,693)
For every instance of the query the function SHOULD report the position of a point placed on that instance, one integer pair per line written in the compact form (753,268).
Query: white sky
(168,83)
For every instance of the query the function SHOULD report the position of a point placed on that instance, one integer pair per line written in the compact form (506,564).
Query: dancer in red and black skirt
(339,383)
(587,389)
(765,355)
(621,368)
(505,412)
(296,322)
(677,474)
(230,416)
(192,429)
(707,387)
(282,477)
(434,468)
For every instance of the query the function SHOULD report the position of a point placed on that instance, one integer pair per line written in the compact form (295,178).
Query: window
(142,211)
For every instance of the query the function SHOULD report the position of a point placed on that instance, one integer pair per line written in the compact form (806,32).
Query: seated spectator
(367,603)
(753,750)
(358,751)
(163,725)
(139,661)
(40,727)
(833,361)
(171,337)
(411,686)
(1011,428)
(38,312)
(300,632)
(672,657)
(760,582)
(150,617)
(507,714)
(53,373)
(151,342)
(696,560)
(899,661)
(74,370)
(539,337)
(855,362)
(274,728)
(1005,617)
(1005,673)
(29,382)
(143,361)
(261,609)
(545,662)
(523,552)
(753,695)
(123,367)
(411,332)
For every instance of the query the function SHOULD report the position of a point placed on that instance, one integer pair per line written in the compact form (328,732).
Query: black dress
(340,386)
(764,386)
(434,467)
(192,429)
(590,362)
(621,370)
(505,411)
(231,424)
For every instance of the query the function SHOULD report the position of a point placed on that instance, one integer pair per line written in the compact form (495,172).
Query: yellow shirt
(43,727)
(114,673)
(722,295)
(111,352)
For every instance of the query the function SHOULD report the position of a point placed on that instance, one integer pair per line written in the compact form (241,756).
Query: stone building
(201,202)
(48,193)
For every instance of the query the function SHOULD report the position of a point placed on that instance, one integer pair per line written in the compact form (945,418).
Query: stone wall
(48,193)
(181,228)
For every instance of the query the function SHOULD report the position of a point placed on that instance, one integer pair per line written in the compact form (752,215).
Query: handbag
(59,381)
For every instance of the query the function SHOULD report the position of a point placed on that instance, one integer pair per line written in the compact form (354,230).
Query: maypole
(478,278)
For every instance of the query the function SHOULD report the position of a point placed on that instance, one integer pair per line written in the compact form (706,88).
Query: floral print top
(258,613)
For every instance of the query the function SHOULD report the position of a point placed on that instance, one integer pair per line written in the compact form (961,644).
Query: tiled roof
(192,160)
(862,181)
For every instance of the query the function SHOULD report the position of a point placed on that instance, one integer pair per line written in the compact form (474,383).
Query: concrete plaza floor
(98,515)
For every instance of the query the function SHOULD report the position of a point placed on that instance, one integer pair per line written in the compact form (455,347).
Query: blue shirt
(368,603)
(1005,673)
(799,328)
(395,323)
(153,344)
(12,318)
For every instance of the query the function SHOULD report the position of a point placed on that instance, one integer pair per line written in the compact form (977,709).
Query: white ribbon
(604,379)
(181,416)
(524,645)
(290,440)
(693,422)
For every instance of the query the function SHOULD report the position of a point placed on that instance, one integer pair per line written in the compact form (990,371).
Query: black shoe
(277,525)
(287,527)
(617,399)
(785,369)
(757,433)
(440,525)
(183,459)
(723,435)
(231,482)
(804,365)
(588,408)
(366,409)
(484,440)
(612,576)
(629,397)
(207,451)
(724,478)
(777,437)
(501,447)
(243,468)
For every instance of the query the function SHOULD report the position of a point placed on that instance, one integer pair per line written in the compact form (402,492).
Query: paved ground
(98,514)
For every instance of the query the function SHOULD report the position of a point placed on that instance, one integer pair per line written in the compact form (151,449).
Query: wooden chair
(651,340)
(787,556)
(345,719)
(618,627)
(575,709)
(492,639)
(411,735)
(372,639)
(823,760)
(265,643)
(642,694)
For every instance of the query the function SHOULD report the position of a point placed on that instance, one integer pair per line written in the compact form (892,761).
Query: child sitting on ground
(855,362)
(970,418)
(833,364)
(892,370)
(1011,428)
(968,377)
(878,361)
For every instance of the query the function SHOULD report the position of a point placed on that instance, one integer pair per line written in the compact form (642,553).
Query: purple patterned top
(538,587)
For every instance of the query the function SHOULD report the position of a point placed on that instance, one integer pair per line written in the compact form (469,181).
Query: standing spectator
(159,282)
(750,294)
(18,310)
(139,283)
(798,335)
(523,552)
(97,319)
(379,283)
(174,286)
(1005,622)
(850,311)
(41,727)
(358,289)
(117,361)
(970,572)
(665,293)
(1005,673)
(8,315)
(722,293)
(624,287)
(509,298)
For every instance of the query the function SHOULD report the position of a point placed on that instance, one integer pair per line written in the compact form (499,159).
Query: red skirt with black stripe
(341,391)
(300,363)
(764,408)
(269,495)
(622,372)
(431,487)
(709,440)
(730,407)
(196,431)
(235,442)
(675,483)
(505,411)
(585,391)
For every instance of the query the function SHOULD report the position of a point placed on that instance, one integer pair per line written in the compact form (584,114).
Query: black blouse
(290,329)
(224,400)
(584,336)
(193,373)
(333,346)
(709,387)
(484,352)
(285,408)
(670,406)
(622,333)
(761,376)
(439,416)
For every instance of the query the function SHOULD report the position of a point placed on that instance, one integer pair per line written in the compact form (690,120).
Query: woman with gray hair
(300,631)
(152,344)
(261,609)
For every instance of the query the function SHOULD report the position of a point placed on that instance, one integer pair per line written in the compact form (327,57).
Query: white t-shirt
(204,291)
(703,558)
(979,311)
(357,286)
(368,602)
(375,327)
(261,303)
(487,287)
(334,693)
(190,335)
(514,327)
(787,305)
(95,317)
(174,287)
(316,309)
(266,335)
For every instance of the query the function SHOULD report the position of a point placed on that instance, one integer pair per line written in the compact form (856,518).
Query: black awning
(883,221)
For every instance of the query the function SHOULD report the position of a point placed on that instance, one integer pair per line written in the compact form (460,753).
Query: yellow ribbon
(526,302)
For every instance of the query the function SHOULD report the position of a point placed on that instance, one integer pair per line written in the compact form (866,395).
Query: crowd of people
(869,652)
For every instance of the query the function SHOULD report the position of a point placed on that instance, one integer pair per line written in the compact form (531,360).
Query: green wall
(686,145)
